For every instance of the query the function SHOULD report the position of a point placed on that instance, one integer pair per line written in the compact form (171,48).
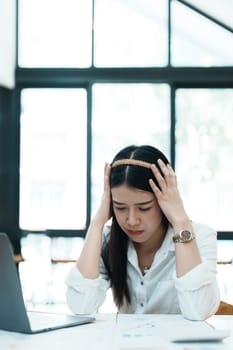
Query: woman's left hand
(168,195)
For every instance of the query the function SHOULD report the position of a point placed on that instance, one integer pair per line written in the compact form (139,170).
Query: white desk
(144,332)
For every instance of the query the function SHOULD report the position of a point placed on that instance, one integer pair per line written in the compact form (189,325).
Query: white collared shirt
(159,291)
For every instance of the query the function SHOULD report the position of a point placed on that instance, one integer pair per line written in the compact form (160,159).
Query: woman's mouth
(135,232)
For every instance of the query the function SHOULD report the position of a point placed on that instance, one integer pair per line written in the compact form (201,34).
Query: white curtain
(7,43)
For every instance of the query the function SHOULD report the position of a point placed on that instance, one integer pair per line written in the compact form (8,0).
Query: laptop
(13,314)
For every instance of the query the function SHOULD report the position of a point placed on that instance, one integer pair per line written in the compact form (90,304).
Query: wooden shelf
(18,258)
(225,262)
(62,260)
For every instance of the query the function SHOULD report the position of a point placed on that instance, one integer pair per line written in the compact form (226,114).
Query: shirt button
(142,283)
(141,304)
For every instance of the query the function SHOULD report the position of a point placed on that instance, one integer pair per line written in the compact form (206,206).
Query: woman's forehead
(126,194)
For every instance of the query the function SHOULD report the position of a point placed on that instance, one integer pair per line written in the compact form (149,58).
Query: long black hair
(114,250)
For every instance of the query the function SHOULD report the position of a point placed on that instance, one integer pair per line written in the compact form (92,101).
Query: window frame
(175,77)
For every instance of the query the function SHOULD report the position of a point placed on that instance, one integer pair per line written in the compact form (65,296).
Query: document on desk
(162,332)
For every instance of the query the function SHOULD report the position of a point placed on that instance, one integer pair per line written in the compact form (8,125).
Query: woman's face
(137,212)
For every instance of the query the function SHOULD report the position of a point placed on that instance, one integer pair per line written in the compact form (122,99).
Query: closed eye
(119,208)
(124,208)
(144,209)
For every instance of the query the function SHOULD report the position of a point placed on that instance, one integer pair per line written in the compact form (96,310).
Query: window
(118,111)
(204,145)
(198,41)
(101,74)
(130,33)
(53,159)
(54,33)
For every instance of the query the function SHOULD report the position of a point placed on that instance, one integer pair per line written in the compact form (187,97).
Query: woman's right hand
(89,260)
(103,212)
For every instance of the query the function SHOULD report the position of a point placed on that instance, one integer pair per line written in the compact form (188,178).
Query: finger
(154,188)
(163,167)
(168,172)
(107,170)
(160,179)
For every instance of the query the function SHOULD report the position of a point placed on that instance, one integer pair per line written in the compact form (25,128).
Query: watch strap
(184,236)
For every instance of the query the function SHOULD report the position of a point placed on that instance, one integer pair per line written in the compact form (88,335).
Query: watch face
(185,235)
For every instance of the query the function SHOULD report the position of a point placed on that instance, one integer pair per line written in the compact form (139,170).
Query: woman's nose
(132,218)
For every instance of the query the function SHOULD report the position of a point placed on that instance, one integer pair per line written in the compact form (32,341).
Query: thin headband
(131,162)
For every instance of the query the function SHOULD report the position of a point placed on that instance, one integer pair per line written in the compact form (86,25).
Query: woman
(155,259)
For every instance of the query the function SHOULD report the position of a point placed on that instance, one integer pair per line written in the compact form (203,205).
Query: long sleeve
(85,296)
(198,291)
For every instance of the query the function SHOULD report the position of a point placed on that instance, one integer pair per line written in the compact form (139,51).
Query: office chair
(224,308)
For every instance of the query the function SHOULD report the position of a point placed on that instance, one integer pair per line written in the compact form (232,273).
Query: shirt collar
(167,244)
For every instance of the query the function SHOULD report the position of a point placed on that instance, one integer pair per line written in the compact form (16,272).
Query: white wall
(7,43)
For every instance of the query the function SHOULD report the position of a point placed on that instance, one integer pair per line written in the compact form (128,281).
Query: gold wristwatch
(184,236)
